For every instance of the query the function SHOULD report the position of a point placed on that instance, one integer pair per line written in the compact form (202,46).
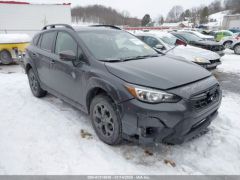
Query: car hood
(190,53)
(160,72)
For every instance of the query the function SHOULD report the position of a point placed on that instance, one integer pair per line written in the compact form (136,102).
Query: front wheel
(35,85)
(237,49)
(105,120)
(227,44)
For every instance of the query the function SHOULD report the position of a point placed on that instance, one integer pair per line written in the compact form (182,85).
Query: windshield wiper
(138,57)
(160,52)
(170,49)
(110,60)
(128,58)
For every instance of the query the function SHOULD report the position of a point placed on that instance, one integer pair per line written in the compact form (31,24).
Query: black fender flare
(96,83)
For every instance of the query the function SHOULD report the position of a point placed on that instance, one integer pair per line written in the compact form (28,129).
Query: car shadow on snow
(159,154)
(230,82)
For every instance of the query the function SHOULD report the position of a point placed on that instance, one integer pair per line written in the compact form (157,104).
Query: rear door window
(47,40)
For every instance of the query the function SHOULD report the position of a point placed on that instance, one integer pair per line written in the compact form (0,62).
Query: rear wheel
(6,57)
(105,120)
(237,49)
(34,84)
(227,44)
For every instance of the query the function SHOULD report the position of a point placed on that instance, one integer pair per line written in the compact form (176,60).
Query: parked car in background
(166,43)
(235,30)
(202,36)
(128,89)
(221,34)
(196,41)
(228,40)
(236,46)
(209,32)
(11,45)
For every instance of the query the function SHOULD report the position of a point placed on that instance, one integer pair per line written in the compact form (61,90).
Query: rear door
(66,78)
(43,56)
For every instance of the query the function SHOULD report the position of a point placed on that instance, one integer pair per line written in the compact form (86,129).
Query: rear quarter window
(35,40)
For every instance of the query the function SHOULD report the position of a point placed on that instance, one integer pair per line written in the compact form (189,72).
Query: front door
(66,79)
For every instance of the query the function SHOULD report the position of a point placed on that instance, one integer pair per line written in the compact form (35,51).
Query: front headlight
(151,95)
(200,60)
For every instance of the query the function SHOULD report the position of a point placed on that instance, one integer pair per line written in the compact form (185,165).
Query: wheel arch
(28,67)
(237,44)
(228,41)
(99,86)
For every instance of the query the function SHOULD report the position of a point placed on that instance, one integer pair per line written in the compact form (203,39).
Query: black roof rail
(110,26)
(54,26)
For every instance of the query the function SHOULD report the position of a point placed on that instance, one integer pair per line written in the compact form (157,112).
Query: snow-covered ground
(43,136)
(14,38)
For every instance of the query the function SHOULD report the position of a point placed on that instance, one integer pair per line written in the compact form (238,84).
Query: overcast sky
(136,8)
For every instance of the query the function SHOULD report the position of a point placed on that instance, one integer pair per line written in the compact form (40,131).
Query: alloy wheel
(103,120)
(237,49)
(33,82)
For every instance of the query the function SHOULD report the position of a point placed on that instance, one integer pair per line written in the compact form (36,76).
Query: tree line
(201,14)
(106,15)
(103,15)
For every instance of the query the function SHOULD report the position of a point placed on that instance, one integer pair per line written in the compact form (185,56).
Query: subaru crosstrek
(129,90)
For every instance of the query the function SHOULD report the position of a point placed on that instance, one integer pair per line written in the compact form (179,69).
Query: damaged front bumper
(172,123)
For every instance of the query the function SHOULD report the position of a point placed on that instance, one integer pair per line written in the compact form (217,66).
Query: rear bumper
(168,123)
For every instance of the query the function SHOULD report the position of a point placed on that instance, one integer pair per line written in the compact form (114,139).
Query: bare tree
(160,19)
(233,5)
(215,7)
(175,13)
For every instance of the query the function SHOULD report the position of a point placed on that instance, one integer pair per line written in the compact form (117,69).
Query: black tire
(34,84)
(237,49)
(105,120)
(227,44)
(6,57)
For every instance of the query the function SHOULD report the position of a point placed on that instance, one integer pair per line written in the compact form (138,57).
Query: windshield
(168,39)
(190,37)
(115,45)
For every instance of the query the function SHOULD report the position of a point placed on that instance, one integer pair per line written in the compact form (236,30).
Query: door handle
(52,61)
(34,55)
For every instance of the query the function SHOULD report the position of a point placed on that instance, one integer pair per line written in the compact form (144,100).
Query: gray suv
(129,90)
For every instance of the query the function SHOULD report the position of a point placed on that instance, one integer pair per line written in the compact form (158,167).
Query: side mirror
(159,46)
(180,42)
(67,55)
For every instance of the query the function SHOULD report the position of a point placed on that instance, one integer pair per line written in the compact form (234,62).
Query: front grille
(206,98)
(215,61)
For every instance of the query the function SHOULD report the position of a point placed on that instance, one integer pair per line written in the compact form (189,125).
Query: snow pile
(231,63)
(44,136)
(14,38)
